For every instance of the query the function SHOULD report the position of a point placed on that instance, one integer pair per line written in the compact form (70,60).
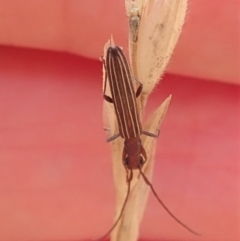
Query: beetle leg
(155,135)
(143,152)
(139,89)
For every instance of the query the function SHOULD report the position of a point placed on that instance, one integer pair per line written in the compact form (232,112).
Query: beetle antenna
(164,206)
(129,179)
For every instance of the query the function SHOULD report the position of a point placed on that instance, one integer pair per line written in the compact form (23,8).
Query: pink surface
(55,166)
(56,176)
(208,46)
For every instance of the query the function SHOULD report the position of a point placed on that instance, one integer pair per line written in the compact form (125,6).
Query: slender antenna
(164,206)
(122,210)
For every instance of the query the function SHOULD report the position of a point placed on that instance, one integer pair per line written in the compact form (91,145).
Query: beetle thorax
(132,153)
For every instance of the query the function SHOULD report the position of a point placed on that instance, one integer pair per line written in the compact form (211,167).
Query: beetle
(123,97)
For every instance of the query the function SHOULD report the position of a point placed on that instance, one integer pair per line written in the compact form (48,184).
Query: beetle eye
(126,162)
(141,161)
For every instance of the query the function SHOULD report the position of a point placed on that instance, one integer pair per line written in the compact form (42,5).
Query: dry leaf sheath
(123,98)
(155,26)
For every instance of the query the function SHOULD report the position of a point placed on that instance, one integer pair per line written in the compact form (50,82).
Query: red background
(55,166)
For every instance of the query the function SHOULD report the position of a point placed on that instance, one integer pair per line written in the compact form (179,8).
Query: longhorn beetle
(118,74)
